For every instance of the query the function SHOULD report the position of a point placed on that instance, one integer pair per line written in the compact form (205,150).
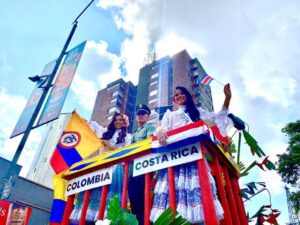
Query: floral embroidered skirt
(93,208)
(188,194)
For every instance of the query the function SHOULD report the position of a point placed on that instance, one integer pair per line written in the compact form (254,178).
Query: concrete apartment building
(118,96)
(158,80)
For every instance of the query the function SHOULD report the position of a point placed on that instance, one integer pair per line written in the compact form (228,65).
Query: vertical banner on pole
(33,101)
(61,86)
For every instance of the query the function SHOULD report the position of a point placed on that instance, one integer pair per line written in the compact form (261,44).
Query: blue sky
(251,44)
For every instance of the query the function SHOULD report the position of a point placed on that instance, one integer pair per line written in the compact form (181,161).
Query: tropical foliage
(289,162)
(118,216)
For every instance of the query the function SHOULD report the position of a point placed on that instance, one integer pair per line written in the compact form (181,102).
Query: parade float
(194,142)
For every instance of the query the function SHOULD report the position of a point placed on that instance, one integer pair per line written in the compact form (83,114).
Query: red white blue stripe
(182,136)
(206,79)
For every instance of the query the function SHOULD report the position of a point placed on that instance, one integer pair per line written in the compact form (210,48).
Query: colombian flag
(59,200)
(77,142)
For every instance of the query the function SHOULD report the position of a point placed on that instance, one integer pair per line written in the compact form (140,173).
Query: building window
(121,94)
(113,110)
(152,93)
(112,87)
(152,100)
(153,83)
(153,76)
(115,94)
(109,118)
(113,100)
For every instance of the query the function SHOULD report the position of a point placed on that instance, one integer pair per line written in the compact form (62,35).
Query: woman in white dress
(188,193)
(113,137)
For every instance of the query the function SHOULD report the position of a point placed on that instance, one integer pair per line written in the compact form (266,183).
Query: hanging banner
(13,213)
(61,86)
(30,107)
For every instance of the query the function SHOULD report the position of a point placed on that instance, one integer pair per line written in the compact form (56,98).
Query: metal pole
(239,148)
(49,81)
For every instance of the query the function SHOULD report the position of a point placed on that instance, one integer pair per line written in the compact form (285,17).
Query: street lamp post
(46,85)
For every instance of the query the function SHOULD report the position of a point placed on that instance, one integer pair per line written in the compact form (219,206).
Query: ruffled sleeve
(221,119)
(127,139)
(98,129)
(166,121)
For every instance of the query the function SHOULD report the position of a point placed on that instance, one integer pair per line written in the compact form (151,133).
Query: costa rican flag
(206,79)
(182,136)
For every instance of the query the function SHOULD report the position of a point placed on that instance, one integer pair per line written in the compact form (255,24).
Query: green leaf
(114,209)
(169,218)
(270,165)
(180,221)
(127,218)
(163,216)
(245,172)
(243,193)
(253,144)
(241,166)
(208,157)
(231,146)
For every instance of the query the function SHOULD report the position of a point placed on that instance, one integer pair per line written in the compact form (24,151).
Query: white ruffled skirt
(188,194)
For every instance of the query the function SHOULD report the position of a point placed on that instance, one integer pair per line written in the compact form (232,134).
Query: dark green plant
(119,216)
(170,218)
(289,162)
(231,146)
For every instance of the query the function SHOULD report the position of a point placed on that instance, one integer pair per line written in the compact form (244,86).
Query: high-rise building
(158,80)
(118,96)
(41,170)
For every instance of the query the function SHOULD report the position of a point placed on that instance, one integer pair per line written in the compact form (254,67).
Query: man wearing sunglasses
(136,184)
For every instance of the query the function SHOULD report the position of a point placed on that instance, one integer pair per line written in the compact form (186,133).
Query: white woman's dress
(187,186)
(114,188)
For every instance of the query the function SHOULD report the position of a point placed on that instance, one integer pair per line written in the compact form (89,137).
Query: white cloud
(97,68)
(273,182)
(172,43)
(102,64)
(133,52)
(85,91)
(252,46)
(127,16)
(105,4)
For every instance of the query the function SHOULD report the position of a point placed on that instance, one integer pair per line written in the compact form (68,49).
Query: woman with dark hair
(188,193)
(113,137)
